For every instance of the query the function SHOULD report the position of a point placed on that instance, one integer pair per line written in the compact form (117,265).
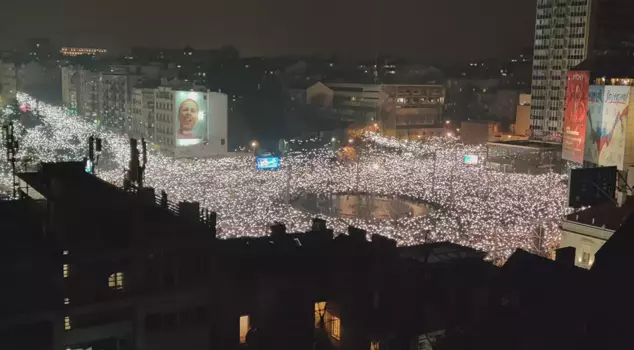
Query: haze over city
(434,31)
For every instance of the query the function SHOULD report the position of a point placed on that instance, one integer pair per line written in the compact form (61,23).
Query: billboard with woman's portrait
(190,119)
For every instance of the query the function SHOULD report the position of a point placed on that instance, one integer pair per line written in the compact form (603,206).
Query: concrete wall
(474,133)
(583,244)
(586,239)
(319,94)
(523,120)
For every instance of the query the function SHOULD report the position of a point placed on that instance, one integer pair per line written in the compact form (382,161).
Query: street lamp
(254,147)
(350,141)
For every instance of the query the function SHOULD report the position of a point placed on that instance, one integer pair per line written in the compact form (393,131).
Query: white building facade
(181,123)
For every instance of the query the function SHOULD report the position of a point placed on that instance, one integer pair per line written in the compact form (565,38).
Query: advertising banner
(615,110)
(575,116)
(190,119)
(593,124)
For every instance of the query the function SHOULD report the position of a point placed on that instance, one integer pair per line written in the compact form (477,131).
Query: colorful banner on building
(616,103)
(190,119)
(593,124)
(575,116)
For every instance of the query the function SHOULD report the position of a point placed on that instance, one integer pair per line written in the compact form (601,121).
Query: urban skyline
(423,30)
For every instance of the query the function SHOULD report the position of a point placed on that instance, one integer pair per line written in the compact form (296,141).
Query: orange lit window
(244,328)
(335,327)
(320,310)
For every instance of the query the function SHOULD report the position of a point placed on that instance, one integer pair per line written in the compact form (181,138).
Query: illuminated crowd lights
(494,212)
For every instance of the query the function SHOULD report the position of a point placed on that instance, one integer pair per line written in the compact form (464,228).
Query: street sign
(591,186)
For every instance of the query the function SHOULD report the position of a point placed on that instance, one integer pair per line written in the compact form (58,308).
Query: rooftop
(93,200)
(605,215)
(535,145)
(439,252)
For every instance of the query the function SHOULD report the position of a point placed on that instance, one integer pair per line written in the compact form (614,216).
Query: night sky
(432,30)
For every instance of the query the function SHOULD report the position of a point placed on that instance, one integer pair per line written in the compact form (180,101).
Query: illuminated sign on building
(608,110)
(574,136)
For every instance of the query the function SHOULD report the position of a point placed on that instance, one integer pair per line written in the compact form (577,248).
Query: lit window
(65,270)
(115,281)
(335,327)
(67,326)
(320,310)
(244,328)
(66,301)
(585,258)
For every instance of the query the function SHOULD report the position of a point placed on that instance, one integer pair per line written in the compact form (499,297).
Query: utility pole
(12,149)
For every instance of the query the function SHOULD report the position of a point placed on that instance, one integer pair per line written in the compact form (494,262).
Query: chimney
(278,231)
(318,225)
(357,234)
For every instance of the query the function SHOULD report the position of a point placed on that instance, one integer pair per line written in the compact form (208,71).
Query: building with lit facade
(78,51)
(524,156)
(588,230)
(566,33)
(562,39)
(158,113)
(406,111)
(116,97)
(104,94)
(88,92)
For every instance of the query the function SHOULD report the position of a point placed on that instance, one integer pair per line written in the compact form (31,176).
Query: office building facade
(566,33)
(562,32)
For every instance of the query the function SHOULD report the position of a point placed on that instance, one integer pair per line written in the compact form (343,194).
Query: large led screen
(190,119)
